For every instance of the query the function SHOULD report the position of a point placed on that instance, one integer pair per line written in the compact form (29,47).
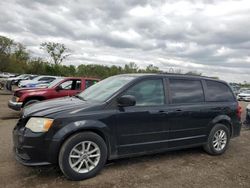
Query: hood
(25,90)
(244,94)
(54,107)
(13,78)
(25,82)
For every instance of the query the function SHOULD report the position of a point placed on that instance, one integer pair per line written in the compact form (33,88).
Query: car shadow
(54,172)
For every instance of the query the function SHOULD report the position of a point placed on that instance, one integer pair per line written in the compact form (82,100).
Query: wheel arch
(40,98)
(99,128)
(225,120)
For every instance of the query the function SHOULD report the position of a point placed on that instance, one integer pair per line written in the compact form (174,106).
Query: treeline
(15,58)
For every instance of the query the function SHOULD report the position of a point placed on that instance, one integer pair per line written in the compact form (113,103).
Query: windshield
(104,89)
(55,82)
(22,76)
(247,91)
(35,78)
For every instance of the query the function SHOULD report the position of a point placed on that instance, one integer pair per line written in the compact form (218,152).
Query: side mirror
(126,100)
(58,88)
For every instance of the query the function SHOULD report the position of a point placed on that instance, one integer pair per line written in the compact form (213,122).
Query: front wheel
(82,156)
(218,140)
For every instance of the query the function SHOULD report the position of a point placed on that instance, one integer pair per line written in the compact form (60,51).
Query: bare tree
(57,51)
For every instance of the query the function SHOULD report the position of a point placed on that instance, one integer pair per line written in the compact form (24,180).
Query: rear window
(218,92)
(186,91)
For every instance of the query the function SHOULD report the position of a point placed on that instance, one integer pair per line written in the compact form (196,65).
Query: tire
(30,102)
(217,131)
(70,166)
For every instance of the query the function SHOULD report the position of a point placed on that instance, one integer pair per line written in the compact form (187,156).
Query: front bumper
(15,105)
(33,149)
(240,98)
(29,147)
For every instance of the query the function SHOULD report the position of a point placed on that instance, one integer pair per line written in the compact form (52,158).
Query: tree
(195,73)
(57,51)
(131,68)
(6,45)
(152,69)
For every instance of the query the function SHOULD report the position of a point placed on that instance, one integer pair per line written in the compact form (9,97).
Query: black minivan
(127,115)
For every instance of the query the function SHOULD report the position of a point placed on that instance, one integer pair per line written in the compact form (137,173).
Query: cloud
(205,35)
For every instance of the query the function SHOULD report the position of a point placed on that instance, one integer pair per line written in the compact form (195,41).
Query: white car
(244,96)
(6,75)
(36,81)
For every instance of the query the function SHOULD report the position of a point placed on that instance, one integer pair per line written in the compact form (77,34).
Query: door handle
(159,112)
(163,112)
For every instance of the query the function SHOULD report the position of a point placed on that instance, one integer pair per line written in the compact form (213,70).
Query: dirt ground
(185,168)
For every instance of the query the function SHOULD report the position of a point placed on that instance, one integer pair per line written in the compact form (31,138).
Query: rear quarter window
(218,92)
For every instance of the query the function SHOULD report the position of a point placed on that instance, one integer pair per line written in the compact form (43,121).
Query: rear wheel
(82,156)
(218,140)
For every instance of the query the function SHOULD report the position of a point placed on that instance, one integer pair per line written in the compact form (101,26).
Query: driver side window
(71,85)
(148,92)
(66,85)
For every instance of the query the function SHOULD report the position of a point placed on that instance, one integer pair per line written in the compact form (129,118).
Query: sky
(208,36)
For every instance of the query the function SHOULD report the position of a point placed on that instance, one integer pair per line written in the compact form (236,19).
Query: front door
(68,88)
(143,127)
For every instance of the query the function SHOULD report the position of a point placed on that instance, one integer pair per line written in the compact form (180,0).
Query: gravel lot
(186,168)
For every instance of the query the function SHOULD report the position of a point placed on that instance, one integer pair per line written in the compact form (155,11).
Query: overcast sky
(208,36)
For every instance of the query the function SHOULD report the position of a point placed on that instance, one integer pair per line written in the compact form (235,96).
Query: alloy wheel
(220,140)
(84,157)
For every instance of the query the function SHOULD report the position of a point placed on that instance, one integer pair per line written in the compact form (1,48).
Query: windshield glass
(22,76)
(55,82)
(36,78)
(247,91)
(104,89)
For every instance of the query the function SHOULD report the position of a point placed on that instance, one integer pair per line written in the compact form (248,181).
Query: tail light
(239,111)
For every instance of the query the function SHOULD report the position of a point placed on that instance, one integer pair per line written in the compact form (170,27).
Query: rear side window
(186,91)
(46,79)
(218,92)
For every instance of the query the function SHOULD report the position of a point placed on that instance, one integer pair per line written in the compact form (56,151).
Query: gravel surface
(185,168)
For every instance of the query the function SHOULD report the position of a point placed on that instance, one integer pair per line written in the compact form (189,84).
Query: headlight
(39,124)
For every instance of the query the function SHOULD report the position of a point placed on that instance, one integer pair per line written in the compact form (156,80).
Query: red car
(61,87)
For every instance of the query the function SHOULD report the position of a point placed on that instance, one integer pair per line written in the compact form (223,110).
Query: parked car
(127,115)
(244,96)
(6,75)
(36,81)
(15,80)
(60,87)
(242,90)
(235,90)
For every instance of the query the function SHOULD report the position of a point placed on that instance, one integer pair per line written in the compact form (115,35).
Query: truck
(61,87)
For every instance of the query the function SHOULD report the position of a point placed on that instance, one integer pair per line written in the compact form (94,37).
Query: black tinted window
(46,79)
(148,92)
(217,91)
(186,91)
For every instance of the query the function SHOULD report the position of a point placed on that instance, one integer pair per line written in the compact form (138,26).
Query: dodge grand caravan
(127,115)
